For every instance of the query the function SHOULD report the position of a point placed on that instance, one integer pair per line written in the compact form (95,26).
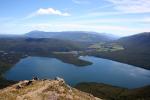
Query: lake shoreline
(116,71)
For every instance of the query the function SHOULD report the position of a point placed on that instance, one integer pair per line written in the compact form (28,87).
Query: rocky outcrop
(43,90)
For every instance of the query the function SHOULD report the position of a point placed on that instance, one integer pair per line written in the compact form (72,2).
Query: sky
(119,17)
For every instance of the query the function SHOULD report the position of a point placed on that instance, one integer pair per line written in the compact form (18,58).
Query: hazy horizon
(119,17)
(117,35)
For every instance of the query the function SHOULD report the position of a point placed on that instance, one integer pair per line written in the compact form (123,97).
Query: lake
(101,71)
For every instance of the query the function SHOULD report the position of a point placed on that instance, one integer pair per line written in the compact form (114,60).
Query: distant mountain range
(82,36)
(136,47)
(10,36)
(73,36)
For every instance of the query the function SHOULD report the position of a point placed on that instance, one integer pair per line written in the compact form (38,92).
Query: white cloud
(51,11)
(48,11)
(131,6)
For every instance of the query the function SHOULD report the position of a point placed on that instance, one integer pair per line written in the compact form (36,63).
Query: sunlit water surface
(101,71)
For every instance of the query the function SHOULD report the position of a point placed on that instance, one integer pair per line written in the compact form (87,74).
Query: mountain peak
(44,90)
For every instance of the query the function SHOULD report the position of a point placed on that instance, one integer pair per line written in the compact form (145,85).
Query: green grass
(109,92)
(105,47)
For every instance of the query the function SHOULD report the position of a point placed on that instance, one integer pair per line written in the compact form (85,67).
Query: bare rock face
(43,90)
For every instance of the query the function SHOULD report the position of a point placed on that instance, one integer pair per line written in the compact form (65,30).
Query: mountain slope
(43,90)
(137,49)
(109,92)
(139,42)
(73,35)
(135,52)
(38,45)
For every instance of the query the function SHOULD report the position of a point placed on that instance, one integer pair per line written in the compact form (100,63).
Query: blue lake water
(101,71)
